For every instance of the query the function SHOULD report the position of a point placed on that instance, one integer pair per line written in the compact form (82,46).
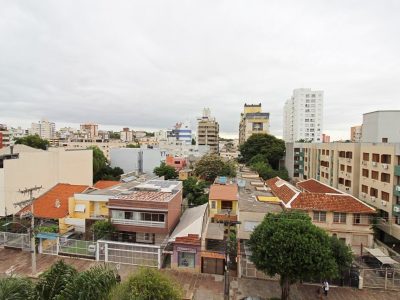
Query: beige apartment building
(356,134)
(25,167)
(368,171)
(252,120)
(208,131)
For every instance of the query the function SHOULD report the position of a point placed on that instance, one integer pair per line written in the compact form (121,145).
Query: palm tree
(15,288)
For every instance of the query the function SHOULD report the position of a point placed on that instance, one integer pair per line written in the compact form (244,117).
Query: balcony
(138,223)
(396,190)
(397,170)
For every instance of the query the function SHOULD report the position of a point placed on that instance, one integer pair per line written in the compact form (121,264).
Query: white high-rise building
(45,129)
(303,116)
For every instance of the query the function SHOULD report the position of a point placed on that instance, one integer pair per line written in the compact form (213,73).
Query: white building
(25,167)
(126,135)
(381,126)
(303,116)
(44,128)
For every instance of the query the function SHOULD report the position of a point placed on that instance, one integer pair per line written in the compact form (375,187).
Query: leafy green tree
(15,288)
(193,141)
(167,171)
(342,254)
(101,169)
(52,282)
(114,135)
(270,147)
(266,172)
(102,228)
(289,245)
(33,141)
(194,191)
(147,284)
(93,284)
(211,166)
(137,145)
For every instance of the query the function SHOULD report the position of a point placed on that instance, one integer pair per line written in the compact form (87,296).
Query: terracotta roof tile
(224,192)
(103,184)
(314,186)
(330,202)
(280,188)
(47,206)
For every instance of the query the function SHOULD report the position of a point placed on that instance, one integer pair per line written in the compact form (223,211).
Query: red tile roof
(314,186)
(225,192)
(280,188)
(103,184)
(330,202)
(47,206)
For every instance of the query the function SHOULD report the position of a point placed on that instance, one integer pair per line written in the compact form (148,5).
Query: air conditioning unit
(348,160)
(384,203)
(397,188)
(396,209)
(374,163)
(373,199)
(385,166)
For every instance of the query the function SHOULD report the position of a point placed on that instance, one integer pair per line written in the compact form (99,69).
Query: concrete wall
(151,158)
(381,124)
(128,159)
(42,168)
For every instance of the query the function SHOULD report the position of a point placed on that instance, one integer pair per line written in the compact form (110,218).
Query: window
(213,206)
(385,177)
(385,196)
(342,167)
(117,214)
(356,219)
(375,175)
(375,157)
(319,216)
(339,217)
(384,140)
(347,183)
(348,169)
(373,192)
(341,180)
(365,172)
(366,156)
(361,219)
(386,158)
(342,154)
(327,152)
(226,205)
(364,189)
(186,259)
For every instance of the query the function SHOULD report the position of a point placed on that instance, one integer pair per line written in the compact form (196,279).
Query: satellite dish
(57,204)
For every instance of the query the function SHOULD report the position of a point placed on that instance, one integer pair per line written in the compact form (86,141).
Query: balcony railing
(138,223)
(397,170)
(396,190)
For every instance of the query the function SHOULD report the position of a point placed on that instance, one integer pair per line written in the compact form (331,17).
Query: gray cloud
(150,64)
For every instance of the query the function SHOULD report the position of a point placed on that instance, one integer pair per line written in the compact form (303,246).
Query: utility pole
(30,202)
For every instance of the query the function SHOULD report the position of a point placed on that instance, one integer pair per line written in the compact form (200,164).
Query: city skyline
(154,64)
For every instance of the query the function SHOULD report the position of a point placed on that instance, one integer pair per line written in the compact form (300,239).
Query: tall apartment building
(252,120)
(303,116)
(91,130)
(356,134)
(181,132)
(381,126)
(208,131)
(126,135)
(44,128)
(4,136)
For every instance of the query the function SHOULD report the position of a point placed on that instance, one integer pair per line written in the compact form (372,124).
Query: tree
(211,166)
(101,169)
(137,145)
(342,254)
(271,148)
(33,141)
(114,135)
(147,284)
(93,284)
(167,171)
(52,282)
(15,288)
(193,141)
(102,228)
(289,245)
(194,191)
(266,172)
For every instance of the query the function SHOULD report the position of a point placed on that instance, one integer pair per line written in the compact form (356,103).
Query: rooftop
(282,189)
(149,196)
(103,184)
(54,203)
(227,192)
(314,186)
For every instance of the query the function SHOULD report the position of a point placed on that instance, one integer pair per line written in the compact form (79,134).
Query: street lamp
(33,248)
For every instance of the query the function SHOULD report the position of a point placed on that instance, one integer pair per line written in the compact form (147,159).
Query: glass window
(186,259)
(319,216)
(213,204)
(117,214)
(339,217)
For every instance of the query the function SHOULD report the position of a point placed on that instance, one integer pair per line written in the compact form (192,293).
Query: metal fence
(15,240)
(129,253)
(388,278)
(74,247)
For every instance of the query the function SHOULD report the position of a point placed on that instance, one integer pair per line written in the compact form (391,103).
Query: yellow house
(223,201)
(87,207)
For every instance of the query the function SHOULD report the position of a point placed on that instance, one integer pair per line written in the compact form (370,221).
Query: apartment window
(373,192)
(375,175)
(385,177)
(339,217)
(213,205)
(327,152)
(386,158)
(375,157)
(365,172)
(366,156)
(319,216)
(384,140)
(356,218)
(384,196)
(342,154)
(364,189)
(349,154)
(342,167)
(341,180)
(347,183)
(348,169)
(323,152)
(226,205)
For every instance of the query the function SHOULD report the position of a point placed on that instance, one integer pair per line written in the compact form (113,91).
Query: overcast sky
(149,64)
